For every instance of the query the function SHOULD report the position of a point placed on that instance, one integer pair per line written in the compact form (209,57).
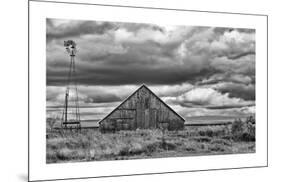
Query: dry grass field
(91,145)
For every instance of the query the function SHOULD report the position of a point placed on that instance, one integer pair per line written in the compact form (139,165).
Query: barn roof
(142,86)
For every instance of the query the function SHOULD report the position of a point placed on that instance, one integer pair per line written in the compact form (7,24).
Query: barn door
(153,118)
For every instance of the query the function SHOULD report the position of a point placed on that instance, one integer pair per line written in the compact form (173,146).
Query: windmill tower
(71,113)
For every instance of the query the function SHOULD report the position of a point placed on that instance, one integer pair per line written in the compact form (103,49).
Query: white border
(39,170)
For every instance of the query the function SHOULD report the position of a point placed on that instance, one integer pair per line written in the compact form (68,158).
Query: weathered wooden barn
(143,110)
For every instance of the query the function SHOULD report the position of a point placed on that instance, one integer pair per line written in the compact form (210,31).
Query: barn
(142,110)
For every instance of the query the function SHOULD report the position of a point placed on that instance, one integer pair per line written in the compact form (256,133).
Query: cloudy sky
(198,71)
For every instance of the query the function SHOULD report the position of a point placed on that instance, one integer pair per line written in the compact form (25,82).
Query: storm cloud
(187,66)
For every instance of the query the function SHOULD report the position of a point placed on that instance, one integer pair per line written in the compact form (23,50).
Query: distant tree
(251,128)
(237,128)
(244,130)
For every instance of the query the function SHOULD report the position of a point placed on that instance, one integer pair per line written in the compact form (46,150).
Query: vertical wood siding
(141,110)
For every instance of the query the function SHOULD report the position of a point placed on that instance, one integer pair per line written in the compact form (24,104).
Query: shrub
(169,146)
(237,129)
(152,147)
(201,139)
(222,142)
(251,128)
(217,148)
(212,131)
(207,132)
(243,131)
(124,151)
(190,149)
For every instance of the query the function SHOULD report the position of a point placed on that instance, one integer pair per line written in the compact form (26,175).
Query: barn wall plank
(142,110)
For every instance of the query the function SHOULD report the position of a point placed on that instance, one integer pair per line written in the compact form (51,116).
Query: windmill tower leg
(74,122)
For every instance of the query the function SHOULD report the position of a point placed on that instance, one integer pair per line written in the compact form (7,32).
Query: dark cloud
(134,74)
(221,30)
(241,55)
(117,54)
(246,92)
(246,30)
(133,27)
(142,57)
(228,106)
(227,77)
(76,28)
(241,66)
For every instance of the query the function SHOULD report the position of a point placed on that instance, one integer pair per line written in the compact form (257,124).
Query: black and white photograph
(141,91)
(130,90)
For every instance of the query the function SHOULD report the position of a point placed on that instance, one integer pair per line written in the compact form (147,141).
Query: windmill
(71,113)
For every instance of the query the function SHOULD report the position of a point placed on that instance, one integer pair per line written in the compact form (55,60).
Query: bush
(222,142)
(190,149)
(152,147)
(207,132)
(169,146)
(217,148)
(124,151)
(243,131)
(237,129)
(212,131)
(201,139)
(251,128)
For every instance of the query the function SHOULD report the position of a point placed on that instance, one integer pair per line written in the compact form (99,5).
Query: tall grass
(90,145)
